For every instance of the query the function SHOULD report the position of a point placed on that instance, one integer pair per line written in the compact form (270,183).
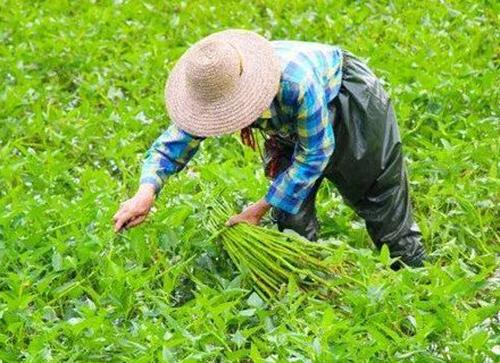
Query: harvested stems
(272,258)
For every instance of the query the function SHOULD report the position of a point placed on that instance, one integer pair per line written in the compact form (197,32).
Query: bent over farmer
(324,115)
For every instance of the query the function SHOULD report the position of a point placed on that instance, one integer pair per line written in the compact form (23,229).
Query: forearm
(147,191)
(168,155)
(262,206)
(314,147)
(292,187)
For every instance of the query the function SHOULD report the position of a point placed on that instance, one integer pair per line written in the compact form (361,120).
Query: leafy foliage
(81,96)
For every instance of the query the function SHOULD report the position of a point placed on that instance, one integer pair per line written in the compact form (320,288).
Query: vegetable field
(81,100)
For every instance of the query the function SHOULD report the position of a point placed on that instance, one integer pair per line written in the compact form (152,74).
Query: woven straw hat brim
(256,88)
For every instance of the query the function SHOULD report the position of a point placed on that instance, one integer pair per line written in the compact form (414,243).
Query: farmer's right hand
(135,210)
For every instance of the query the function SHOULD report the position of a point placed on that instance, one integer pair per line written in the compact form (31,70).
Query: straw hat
(222,83)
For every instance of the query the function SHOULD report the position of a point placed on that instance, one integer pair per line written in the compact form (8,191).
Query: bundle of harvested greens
(271,258)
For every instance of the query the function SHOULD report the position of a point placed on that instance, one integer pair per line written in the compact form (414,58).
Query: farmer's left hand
(251,215)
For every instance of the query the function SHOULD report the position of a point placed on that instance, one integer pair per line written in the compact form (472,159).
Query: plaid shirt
(311,78)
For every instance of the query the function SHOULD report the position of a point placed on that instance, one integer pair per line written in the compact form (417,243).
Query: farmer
(324,114)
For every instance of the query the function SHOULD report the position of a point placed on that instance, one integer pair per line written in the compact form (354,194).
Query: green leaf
(385,255)
(255,354)
(478,339)
(238,339)
(57,261)
(247,312)
(254,300)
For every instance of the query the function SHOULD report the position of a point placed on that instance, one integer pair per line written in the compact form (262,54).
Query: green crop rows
(81,88)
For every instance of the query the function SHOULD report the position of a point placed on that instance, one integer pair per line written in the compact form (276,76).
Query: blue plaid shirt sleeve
(312,152)
(169,154)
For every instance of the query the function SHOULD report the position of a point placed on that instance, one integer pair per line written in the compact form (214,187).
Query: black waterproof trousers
(367,167)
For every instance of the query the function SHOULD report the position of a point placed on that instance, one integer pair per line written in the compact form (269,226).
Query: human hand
(251,215)
(135,210)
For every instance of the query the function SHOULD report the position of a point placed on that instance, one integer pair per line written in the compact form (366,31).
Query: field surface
(81,99)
